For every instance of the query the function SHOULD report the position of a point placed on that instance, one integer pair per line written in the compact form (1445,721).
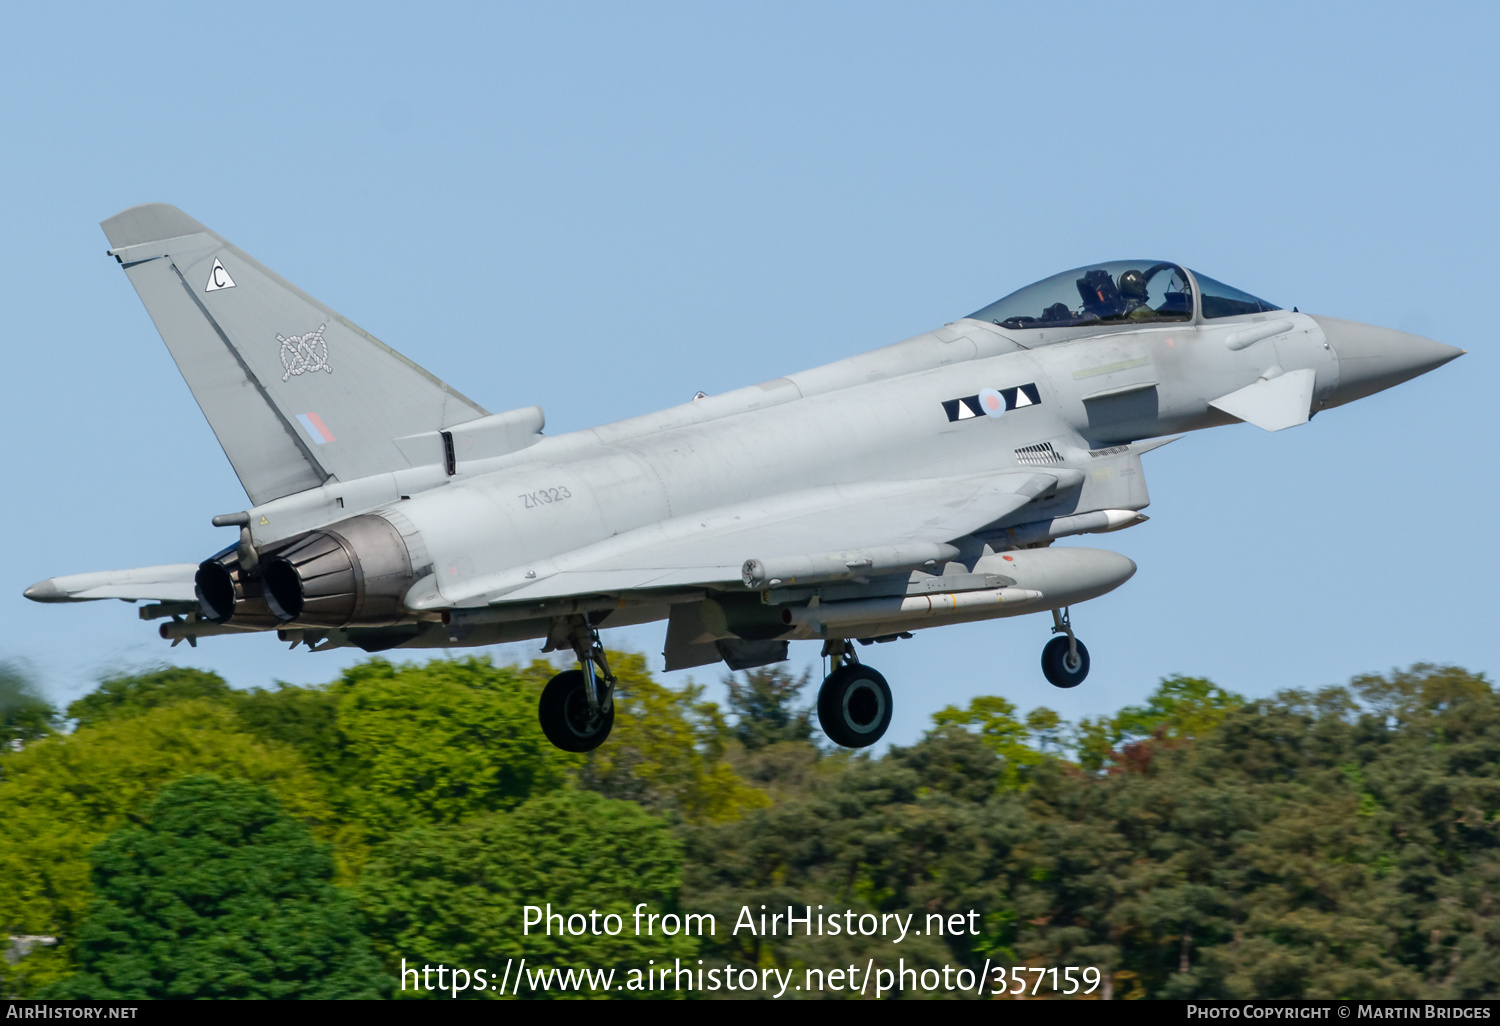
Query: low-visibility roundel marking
(991,402)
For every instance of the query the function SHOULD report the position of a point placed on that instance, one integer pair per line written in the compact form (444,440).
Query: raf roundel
(991,402)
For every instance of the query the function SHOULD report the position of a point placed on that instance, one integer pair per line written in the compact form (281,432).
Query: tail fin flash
(295,393)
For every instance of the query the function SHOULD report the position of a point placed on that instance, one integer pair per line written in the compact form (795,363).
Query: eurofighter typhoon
(914,486)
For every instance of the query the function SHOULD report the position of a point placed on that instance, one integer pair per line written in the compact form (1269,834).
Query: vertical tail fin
(295,393)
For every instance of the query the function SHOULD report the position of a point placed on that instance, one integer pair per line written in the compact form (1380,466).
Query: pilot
(1135,293)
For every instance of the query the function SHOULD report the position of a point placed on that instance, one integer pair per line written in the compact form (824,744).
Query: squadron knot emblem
(303,354)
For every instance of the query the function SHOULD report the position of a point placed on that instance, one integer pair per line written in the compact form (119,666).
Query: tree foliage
(667,751)
(1019,745)
(219,894)
(765,705)
(1337,843)
(1181,708)
(121,697)
(25,714)
(63,795)
(456,895)
(440,742)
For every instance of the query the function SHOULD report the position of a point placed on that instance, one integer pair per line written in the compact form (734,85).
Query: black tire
(565,715)
(1061,671)
(854,706)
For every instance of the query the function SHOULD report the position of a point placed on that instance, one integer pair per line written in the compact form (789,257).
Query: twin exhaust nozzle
(353,573)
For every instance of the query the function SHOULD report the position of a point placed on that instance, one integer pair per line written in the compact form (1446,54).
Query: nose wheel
(854,703)
(1065,662)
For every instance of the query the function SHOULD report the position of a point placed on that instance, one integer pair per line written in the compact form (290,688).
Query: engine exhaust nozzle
(228,595)
(351,573)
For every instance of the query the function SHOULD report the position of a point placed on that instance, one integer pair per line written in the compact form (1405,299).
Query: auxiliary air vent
(1036,455)
(1113,450)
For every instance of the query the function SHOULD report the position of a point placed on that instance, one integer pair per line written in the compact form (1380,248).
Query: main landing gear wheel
(577,708)
(854,706)
(567,717)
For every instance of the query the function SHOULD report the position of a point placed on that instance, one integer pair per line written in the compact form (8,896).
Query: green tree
(667,750)
(1181,708)
(305,718)
(62,795)
(764,703)
(994,720)
(919,832)
(1331,844)
(25,714)
(439,742)
(131,695)
(219,894)
(456,895)
(1046,729)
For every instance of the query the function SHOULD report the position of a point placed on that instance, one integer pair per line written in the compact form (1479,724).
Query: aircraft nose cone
(1373,358)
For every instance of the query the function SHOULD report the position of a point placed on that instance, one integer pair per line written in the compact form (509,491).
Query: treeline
(167,836)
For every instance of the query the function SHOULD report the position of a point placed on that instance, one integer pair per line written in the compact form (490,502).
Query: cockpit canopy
(1120,292)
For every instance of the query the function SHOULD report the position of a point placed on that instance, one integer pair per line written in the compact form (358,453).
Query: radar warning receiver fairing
(914,486)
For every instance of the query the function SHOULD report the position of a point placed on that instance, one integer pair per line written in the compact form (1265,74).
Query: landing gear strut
(854,703)
(1065,662)
(577,708)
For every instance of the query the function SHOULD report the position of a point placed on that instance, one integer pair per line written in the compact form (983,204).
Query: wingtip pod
(46,591)
(149,222)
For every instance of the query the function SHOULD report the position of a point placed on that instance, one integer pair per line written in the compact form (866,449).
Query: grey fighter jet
(914,486)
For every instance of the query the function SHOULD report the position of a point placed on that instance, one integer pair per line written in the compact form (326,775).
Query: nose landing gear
(1065,662)
(854,703)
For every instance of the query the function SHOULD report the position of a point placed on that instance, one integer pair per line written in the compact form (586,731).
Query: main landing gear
(1065,662)
(854,703)
(577,709)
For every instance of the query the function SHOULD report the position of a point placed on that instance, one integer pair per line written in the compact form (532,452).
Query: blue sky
(603,208)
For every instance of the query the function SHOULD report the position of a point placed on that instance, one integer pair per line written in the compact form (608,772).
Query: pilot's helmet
(1133,285)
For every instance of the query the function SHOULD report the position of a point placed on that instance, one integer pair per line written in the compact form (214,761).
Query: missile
(834,566)
(471,617)
(190,630)
(1098,522)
